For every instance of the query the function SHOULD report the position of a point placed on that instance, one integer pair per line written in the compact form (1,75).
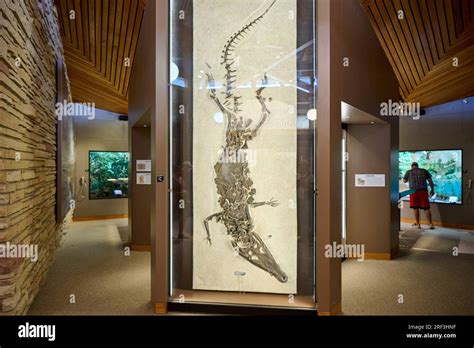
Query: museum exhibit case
(242,152)
(108,174)
(446,169)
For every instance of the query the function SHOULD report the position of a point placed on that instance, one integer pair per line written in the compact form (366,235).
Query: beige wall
(28,128)
(104,133)
(446,126)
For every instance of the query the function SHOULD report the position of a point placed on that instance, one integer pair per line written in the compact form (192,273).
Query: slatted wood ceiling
(422,45)
(96,42)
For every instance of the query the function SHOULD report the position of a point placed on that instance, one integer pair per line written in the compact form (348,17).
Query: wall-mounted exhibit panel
(108,174)
(445,167)
(243,94)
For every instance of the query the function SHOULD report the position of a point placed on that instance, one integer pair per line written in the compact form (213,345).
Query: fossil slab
(244,145)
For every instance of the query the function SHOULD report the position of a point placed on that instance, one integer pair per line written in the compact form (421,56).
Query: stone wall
(30,44)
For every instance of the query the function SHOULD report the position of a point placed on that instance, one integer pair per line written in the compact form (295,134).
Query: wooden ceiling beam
(121,45)
(72,22)
(98,23)
(413,63)
(110,37)
(90,24)
(116,40)
(421,46)
(128,44)
(133,48)
(96,41)
(105,32)
(90,76)
(104,102)
(414,40)
(435,27)
(419,30)
(466,11)
(64,21)
(79,29)
(448,5)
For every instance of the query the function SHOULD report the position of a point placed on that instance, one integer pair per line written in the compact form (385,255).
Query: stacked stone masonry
(30,44)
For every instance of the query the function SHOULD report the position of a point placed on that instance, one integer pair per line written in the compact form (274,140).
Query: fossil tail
(229,48)
(228,53)
(257,253)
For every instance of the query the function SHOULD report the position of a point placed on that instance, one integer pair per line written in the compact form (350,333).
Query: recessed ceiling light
(373,122)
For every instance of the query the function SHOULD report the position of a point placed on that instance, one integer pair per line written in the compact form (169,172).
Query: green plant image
(445,167)
(108,174)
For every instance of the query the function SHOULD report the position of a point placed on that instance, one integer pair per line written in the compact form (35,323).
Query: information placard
(370,180)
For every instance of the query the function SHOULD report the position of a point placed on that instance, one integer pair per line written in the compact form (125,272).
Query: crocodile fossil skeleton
(233,182)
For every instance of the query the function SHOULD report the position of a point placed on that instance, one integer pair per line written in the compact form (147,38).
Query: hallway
(431,280)
(91,265)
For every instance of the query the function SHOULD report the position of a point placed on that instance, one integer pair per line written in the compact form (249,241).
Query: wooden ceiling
(421,46)
(98,38)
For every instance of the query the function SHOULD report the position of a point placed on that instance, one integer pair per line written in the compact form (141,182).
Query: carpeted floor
(430,278)
(91,265)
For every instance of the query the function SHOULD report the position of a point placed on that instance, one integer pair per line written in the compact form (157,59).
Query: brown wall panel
(141,195)
(149,93)
(328,158)
(369,209)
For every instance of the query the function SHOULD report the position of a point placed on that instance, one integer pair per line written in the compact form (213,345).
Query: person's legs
(417,215)
(429,217)
(425,205)
(415,205)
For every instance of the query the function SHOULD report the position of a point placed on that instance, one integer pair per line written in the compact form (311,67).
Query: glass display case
(108,174)
(243,134)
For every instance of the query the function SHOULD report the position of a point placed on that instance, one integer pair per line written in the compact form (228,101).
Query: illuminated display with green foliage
(445,167)
(108,174)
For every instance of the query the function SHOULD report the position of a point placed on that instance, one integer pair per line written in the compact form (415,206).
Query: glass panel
(444,165)
(108,174)
(242,118)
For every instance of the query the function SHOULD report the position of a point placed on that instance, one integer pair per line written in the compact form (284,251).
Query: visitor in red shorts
(417,179)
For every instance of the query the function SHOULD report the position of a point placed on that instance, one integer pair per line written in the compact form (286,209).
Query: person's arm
(430,181)
(405,178)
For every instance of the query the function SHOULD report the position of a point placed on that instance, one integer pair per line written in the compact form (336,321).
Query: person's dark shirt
(417,178)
